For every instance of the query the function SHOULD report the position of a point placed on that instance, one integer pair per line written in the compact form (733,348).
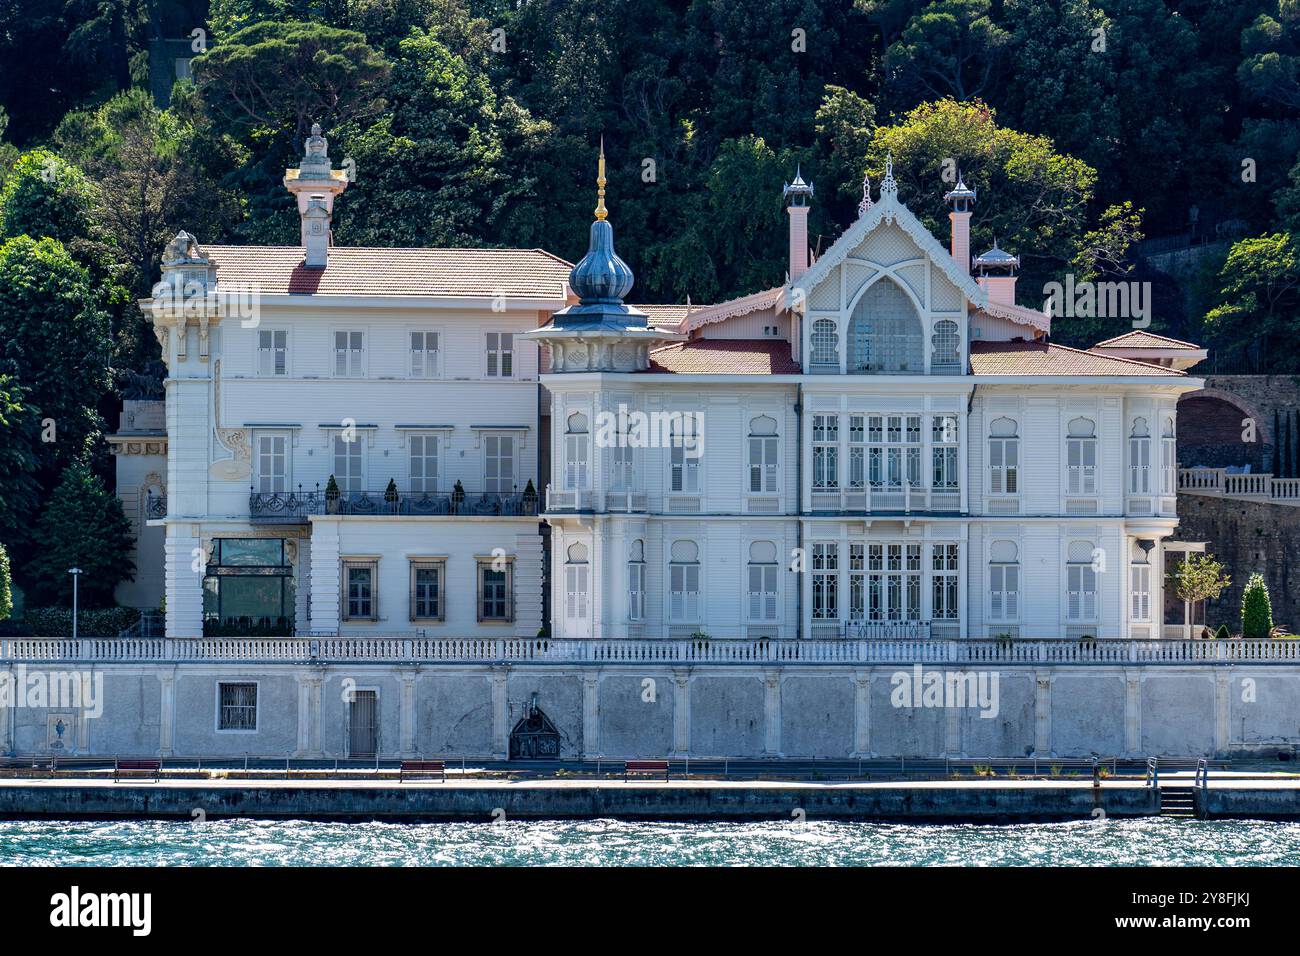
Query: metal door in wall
(363,724)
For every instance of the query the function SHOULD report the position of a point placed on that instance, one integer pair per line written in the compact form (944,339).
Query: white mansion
(886,445)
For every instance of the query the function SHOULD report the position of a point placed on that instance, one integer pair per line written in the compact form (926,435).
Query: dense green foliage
(1256,609)
(6,585)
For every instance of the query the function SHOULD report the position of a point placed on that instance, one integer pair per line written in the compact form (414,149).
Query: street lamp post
(76,573)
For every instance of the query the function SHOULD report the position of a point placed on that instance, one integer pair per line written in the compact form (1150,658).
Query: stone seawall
(739,711)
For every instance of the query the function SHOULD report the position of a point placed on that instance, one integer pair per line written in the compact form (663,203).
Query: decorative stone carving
(235,440)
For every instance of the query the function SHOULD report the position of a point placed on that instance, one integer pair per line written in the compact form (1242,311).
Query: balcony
(613,502)
(886,499)
(296,507)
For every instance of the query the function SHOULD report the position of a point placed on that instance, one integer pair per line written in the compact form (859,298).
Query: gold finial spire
(601,211)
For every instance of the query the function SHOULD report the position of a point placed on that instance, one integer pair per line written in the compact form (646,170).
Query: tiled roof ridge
(1177,343)
(1048,346)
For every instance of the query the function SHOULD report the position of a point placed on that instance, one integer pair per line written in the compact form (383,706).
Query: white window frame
(423,362)
(355,450)
(577,452)
(945,582)
(1081,461)
(895,586)
(636,589)
(423,439)
(286,453)
(577,591)
(826,452)
(499,354)
(684,471)
(1077,575)
(1168,458)
(767,598)
(268,368)
(1140,592)
(354,357)
(1003,601)
(825,581)
(763,460)
(1139,458)
(492,452)
(1004,473)
(945,453)
(685,585)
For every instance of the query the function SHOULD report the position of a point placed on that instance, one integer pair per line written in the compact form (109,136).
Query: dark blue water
(1144,842)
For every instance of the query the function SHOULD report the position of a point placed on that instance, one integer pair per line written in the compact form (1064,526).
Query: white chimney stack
(316,233)
(799,192)
(314,184)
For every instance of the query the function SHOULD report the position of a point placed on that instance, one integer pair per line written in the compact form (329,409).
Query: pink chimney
(799,192)
(961,198)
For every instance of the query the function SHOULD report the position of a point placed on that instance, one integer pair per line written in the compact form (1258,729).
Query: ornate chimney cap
(996,259)
(800,190)
(183,249)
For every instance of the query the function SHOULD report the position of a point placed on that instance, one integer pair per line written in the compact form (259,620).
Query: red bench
(416,768)
(132,767)
(645,766)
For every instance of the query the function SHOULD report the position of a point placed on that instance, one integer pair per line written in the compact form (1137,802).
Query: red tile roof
(1044,358)
(357,270)
(1144,340)
(725,357)
(666,316)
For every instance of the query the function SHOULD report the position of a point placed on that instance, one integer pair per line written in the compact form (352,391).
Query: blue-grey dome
(601,278)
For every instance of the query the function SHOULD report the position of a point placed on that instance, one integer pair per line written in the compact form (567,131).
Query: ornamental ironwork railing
(274,507)
(155,506)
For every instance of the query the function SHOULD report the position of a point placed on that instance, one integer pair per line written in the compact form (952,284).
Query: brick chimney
(798,192)
(962,199)
(314,184)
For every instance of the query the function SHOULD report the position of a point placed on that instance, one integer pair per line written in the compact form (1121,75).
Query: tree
(1256,609)
(47,196)
(6,585)
(1259,315)
(950,48)
(53,328)
(18,438)
(83,526)
(1198,577)
(1271,69)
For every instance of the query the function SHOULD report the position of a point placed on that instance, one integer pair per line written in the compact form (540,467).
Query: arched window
(577,580)
(885,332)
(1004,457)
(1081,457)
(684,582)
(636,581)
(825,344)
(762,454)
(1081,581)
(576,451)
(762,581)
(1004,581)
(945,344)
(1139,458)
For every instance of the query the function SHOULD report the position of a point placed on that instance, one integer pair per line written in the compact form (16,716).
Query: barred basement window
(427,596)
(237,707)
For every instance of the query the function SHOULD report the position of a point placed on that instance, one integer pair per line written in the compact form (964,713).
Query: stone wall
(1210,429)
(1247,537)
(703,711)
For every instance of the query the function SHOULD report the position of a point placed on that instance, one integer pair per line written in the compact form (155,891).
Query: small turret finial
(601,211)
(864,207)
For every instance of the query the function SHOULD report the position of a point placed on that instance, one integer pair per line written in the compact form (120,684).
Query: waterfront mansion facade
(386,441)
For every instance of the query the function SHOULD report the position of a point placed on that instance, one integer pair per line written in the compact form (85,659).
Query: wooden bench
(132,767)
(645,766)
(416,768)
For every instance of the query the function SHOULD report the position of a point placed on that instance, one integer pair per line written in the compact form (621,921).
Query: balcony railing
(648,651)
(897,499)
(155,506)
(294,507)
(1219,482)
(613,501)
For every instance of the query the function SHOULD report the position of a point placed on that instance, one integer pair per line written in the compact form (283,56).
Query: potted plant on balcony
(391,496)
(530,497)
(457,496)
(331,496)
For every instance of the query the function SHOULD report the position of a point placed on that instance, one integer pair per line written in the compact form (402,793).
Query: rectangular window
(347,464)
(684,457)
(826,467)
(826,582)
(427,579)
(636,590)
(238,707)
(495,590)
(857,452)
(1004,591)
(576,460)
(1004,466)
(684,587)
(943,438)
(272,352)
(857,582)
(273,463)
(1139,465)
(1140,580)
(349,354)
(360,600)
(762,464)
(893,451)
(1081,466)
(500,354)
(1081,591)
(944,582)
(620,464)
(893,582)
(499,464)
(424,354)
(424,463)
(1168,466)
(577,584)
(762,592)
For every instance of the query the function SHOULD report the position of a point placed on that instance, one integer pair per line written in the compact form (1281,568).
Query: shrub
(6,592)
(1222,634)
(92,622)
(1256,609)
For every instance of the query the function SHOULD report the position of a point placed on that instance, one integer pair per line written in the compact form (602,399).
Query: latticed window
(825,343)
(885,332)
(826,437)
(943,564)
(943,438)
(684,582)
(1081,457)
(238,707)
(1081,582)
(893,450)
(1139,458)
(945,343)
(893,582)
(1004,581)
(763,570)
(1004,457)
